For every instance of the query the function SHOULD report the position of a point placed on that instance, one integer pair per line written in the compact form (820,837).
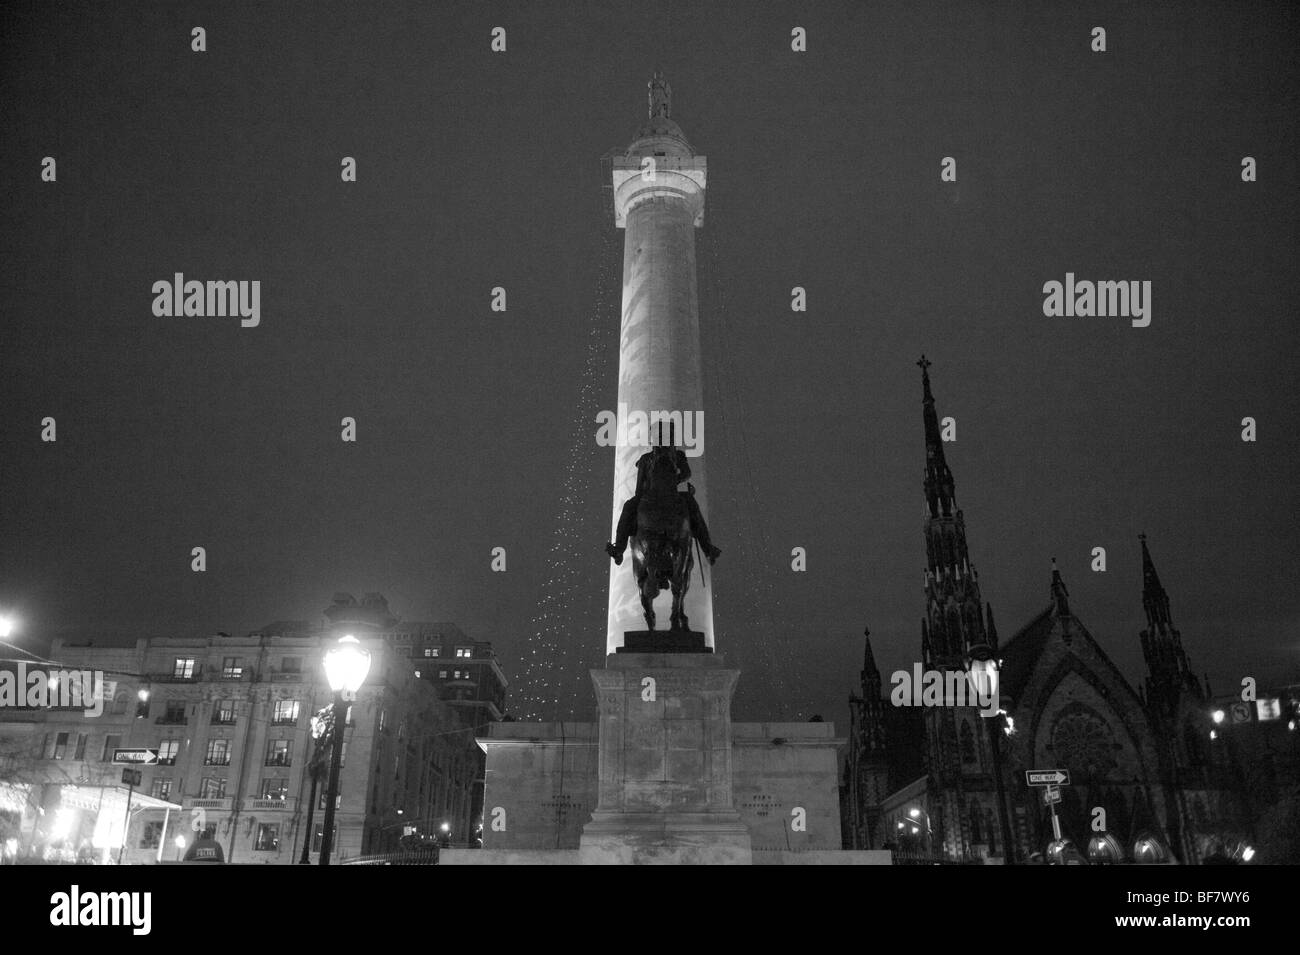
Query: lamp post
(320,725)
(982,665)
(346,666)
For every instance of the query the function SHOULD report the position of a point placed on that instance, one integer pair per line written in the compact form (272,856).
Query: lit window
(464,652)
(167,750)
(275,787)
(184,668)
(212,787)
(218,753)
(111,743)
(268,838)
(223,712)
(442,674)
(279,752)
(232,668)
(60,746)
(286,711)
(162,788)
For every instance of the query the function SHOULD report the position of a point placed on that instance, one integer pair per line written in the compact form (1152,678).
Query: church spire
(1169,674)
(954,611)
(870,672)
(1060,596)
(939,490)
(1154,599)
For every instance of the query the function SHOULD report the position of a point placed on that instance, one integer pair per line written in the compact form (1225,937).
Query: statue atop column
(661,97)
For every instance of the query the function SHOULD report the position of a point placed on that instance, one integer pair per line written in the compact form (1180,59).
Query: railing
(922,858)
(267,803)
(414,857)
(222,803)
(286,676)
(239,675)
(217,760)
(172,719)
(219,719)
(278,761)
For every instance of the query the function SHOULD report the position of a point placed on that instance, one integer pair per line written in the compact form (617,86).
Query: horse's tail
(699,562)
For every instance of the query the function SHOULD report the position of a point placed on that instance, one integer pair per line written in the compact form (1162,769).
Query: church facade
(945,783)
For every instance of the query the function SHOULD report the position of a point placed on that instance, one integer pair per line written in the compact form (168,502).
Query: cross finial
(924,363)
(661,96)
(1142,536)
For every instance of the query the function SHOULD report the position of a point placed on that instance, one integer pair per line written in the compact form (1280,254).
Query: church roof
(1021,652)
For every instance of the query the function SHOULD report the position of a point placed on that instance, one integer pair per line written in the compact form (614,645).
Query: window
(60,746)
(232,668)
(110,744)
(212,787)
(279,752)
(338,801)
(431,651)
(218,753)
(456,675)
(80,752)
(403,651)
(291,665)
(223,712)
(162,788)
(268,838)
(167,751)
(274,787)
(152,835)
(175,712)
(417,674)
(184,668)
(285,711)
(442,674)
(465,652)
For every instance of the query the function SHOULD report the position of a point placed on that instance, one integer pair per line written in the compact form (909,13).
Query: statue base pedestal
(664,791)
(664,641)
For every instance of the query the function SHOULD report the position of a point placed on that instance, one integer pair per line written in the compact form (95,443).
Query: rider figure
(627,519)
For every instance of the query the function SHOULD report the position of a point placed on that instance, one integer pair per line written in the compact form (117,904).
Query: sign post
(1052,780)
(132,779)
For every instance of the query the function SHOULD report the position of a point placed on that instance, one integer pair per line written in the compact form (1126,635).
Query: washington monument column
(659,200)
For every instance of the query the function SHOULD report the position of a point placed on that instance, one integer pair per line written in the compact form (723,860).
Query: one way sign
(136,757)
(1047,777)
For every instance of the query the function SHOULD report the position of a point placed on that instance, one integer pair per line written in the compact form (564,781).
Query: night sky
(479,169)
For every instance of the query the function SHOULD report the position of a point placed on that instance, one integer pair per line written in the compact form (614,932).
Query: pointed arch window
(967,743)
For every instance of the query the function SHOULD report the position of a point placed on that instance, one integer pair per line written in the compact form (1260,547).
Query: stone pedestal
(664,793)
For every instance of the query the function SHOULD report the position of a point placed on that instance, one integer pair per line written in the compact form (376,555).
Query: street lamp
(983,668)
(346,666)
(7,626)
(320,726)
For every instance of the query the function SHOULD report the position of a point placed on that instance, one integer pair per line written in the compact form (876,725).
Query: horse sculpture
(661,546)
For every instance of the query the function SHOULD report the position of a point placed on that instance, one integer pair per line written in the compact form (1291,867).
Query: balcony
(171,676)
(221,804)
(172,719)
(239,675)
(262,804)
(217,760)
(279,759)
(286,676)
(223,719)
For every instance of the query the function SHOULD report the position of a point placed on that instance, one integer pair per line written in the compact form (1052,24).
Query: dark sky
(479,169)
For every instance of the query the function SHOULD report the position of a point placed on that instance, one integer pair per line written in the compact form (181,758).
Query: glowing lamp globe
(346,666)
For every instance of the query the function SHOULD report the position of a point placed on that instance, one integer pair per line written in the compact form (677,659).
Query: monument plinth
(664,792)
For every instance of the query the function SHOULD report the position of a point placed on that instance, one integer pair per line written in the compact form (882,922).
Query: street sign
(1240,712)
(140,757)
(1047,777)
(132,777)
(1051,795)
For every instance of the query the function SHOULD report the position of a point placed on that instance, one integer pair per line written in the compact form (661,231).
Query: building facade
(231,721)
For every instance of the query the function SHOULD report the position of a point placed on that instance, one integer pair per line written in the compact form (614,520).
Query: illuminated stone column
(659,200)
